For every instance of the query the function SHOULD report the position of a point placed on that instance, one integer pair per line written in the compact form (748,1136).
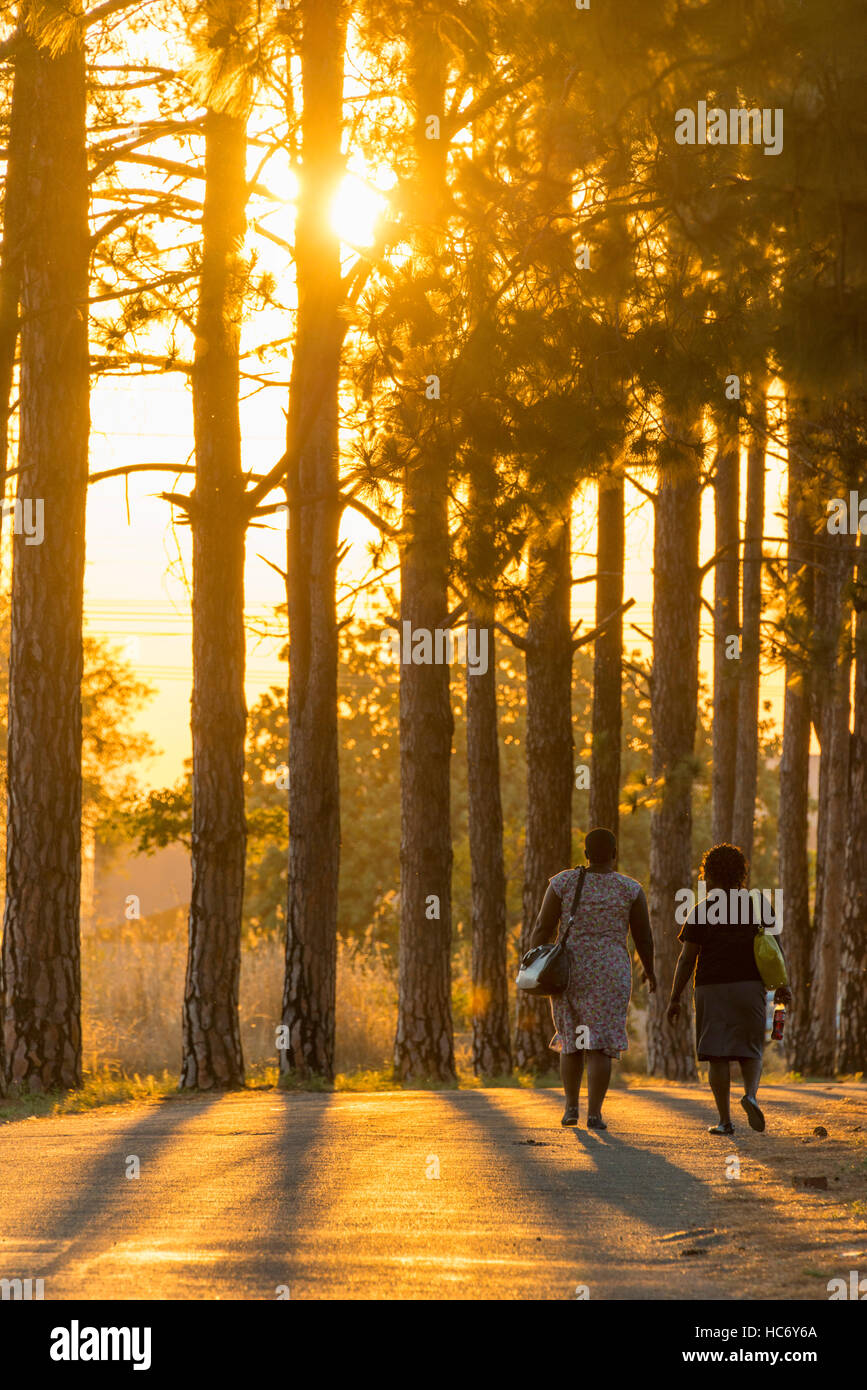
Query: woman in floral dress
(591,1016)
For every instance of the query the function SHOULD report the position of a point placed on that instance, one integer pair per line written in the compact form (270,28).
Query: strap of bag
(582,874)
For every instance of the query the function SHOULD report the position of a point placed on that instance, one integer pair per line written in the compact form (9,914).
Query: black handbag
(545,969)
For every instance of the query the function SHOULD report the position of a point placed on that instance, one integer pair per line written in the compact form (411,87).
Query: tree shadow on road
(772,1148)
(92,1205)
(103,1206)
(642,1184)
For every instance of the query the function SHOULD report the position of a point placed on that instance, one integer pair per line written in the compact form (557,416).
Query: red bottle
(779,1022)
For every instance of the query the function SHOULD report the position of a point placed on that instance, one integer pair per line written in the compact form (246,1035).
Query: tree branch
(514,638)
(601,627)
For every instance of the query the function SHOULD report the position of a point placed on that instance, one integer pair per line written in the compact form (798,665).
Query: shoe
(570,1115)
(754,1114)
(596,1122)
(721,1128)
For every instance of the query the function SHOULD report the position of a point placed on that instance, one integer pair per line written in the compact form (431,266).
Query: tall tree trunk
(314,511)
(852,1040)
(14,224)
(549,743)
(424,1044)
(674,699)
(726,621)
(424,1041)
(41,944)
(747,764)
(212,1053)
(832,627)
(608,657)
(492,1050)
(795,762)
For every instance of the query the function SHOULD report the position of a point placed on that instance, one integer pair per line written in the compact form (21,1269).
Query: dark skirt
(730,1020)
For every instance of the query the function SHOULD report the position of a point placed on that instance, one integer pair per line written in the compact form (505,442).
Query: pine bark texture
(674,698)
(41,946)
(212,1055)
(314,523)
(14,224)
(608,658)
(747,764)
(796,936)
(852,1038)
(424,1044)
(492,1051)
(424,1040)
(835,556)
(549,742)
(491,1022)
(726,622)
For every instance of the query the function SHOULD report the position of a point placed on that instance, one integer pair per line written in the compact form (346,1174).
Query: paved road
(469,1194)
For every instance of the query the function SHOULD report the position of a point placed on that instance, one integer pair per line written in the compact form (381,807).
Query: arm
(682,974)
(546,923)
(639,925)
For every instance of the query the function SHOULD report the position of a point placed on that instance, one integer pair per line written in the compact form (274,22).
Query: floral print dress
(600,977)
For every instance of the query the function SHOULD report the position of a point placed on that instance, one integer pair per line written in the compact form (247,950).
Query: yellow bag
(769,959)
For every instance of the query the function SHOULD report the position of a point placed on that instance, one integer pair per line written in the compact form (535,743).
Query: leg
(571,1071)
(751,1071)
(719,1076)
(598,1077)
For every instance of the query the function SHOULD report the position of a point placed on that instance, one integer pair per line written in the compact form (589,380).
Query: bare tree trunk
(832,627)
(315,509)
(608,657)
(492,1049)
(14,223)
(548,843)
(747,762)
(424,1042)
(726,621)
(212,1053)
(852,1040)
(41,945)
(795,763)
(674,700)
(14,226)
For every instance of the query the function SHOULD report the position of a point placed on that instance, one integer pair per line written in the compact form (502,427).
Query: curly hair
(726,865)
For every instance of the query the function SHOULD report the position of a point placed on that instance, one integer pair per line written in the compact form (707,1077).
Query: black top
(725,952)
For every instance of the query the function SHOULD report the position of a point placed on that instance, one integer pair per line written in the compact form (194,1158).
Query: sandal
(596,1122)
(721,1128)
(570,1115)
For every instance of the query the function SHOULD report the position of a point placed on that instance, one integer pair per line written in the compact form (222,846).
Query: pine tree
(41,950)
(315,507)
(212,1053)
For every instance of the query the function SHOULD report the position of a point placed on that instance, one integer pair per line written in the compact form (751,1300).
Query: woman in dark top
(729,993)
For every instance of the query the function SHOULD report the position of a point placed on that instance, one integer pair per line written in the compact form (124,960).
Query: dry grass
(132,991)
(133,985)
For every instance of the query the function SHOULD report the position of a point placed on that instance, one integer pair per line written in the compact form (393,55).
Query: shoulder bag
(545,969)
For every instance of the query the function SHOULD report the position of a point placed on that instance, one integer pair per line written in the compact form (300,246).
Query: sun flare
(356,211)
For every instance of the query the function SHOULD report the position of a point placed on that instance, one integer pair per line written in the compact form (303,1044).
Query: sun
(357,209)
